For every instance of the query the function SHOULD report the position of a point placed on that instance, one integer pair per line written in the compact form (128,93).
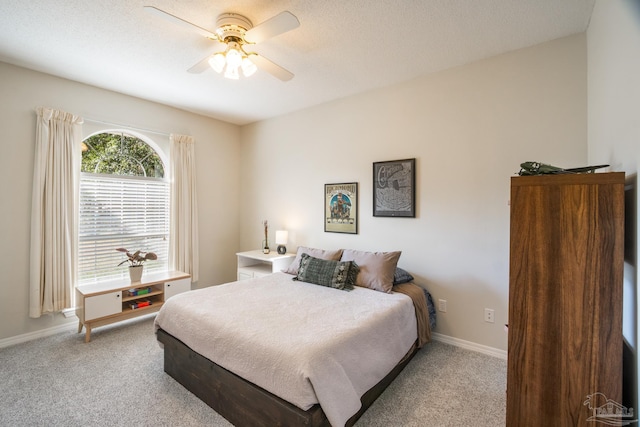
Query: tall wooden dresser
(565,297)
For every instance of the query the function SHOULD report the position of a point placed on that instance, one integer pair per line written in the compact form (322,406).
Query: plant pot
(135,273)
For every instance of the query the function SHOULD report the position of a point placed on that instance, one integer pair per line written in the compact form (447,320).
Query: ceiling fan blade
(281,23)
(270,67)
(179,21)
(200,66)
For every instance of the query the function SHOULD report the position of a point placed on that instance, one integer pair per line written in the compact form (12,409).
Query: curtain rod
(102,122)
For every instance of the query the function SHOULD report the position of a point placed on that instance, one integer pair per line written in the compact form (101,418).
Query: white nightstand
(257,264)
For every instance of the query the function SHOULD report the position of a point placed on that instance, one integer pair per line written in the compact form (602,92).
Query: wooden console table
(104,303)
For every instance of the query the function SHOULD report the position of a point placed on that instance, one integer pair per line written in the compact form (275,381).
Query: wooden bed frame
(243,403)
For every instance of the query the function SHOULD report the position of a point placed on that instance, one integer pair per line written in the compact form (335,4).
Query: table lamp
(281,241)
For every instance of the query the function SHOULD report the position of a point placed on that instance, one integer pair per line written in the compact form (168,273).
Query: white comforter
(305,343)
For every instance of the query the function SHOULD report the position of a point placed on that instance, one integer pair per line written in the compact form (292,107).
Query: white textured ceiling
(342,47)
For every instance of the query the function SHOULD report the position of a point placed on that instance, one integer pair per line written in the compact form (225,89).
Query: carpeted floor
(117,380)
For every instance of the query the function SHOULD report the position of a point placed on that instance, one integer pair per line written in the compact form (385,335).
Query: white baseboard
(6,342)
(495,352)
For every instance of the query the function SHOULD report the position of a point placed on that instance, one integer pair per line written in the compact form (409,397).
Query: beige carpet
(117,380)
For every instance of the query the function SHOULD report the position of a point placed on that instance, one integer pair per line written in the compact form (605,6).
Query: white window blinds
(119,211)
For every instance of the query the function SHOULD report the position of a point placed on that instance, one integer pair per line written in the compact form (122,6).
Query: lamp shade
(218,62)
(281,237)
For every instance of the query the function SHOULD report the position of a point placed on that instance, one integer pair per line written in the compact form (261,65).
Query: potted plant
(136,262)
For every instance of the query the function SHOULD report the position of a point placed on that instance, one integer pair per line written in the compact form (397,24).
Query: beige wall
(217,148)
(614,129)
(469,128)
(614,106)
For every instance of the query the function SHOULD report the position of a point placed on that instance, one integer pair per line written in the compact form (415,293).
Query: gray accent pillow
(316,253)
(401,276)
(330,273)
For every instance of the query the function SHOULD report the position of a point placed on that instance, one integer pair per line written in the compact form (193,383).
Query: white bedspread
(305,343)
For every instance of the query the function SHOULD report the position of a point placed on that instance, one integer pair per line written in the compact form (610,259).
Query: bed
(280,351)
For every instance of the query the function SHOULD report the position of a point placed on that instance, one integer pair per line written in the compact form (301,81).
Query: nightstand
(257,264)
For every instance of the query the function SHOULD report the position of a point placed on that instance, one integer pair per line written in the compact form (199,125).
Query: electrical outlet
(442,305)
(489,315)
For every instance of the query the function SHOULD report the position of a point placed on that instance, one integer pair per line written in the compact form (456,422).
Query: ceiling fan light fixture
(217,62)
(248,67)
(232,73)
(234,57)
(232,61)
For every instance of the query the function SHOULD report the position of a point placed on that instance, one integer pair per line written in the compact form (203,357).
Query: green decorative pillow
(330,273)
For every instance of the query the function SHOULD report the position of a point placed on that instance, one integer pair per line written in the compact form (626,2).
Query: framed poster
(341,208)
(394,188)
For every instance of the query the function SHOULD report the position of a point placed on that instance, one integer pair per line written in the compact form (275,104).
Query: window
(124,202)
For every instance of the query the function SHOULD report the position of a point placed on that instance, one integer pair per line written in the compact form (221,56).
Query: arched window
(124,202)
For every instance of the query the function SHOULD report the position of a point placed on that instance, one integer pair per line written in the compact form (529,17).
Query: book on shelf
(140,304)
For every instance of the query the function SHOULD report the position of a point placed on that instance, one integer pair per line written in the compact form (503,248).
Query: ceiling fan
(235,33)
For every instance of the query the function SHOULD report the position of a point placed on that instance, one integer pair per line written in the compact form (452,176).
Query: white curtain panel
(183,229)
(54,211)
